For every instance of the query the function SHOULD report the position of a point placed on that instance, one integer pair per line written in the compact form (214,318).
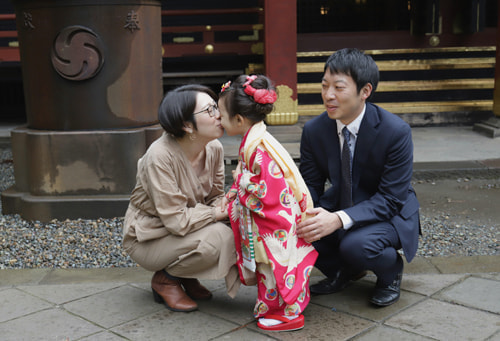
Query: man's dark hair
(356,64)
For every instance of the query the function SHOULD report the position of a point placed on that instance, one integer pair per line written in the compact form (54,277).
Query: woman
(173,225)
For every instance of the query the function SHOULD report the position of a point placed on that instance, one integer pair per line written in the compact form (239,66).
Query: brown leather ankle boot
(169,291)
(195,290)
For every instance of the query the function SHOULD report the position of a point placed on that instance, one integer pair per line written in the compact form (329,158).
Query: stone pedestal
(69,175)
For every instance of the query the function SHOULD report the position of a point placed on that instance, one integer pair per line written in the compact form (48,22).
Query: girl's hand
(223,204)
(237,171)
(230,196)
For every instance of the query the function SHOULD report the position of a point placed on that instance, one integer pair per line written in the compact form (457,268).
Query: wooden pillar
(491,127)
(280,57)
(496,94)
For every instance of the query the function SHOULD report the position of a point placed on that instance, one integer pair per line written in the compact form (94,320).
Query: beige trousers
(208,253)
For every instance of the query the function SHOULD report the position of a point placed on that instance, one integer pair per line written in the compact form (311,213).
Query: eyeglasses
(211,110)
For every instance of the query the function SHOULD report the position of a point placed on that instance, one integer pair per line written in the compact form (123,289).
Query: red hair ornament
(261,96)
(225,86)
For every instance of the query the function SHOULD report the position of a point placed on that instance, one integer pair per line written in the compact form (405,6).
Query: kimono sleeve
(264,191)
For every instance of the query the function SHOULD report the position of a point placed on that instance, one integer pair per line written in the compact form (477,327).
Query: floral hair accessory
(261,96)
(225,86)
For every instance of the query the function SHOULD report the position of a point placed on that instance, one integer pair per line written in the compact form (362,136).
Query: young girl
(266,202)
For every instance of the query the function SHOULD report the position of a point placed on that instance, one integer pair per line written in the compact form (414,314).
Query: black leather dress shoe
(385,296)
(331,285)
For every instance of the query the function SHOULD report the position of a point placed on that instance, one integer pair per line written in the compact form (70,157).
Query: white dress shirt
(353,128)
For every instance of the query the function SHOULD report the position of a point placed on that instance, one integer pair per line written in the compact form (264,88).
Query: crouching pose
(369,210)
(174,225)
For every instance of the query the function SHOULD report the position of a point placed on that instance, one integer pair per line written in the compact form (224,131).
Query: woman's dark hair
(177,108)
(354,63)
(238,102)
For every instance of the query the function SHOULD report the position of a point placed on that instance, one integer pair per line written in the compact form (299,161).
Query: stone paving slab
(16,303)
(474,292)
(115,306)
(244,335)
(51,324)
(390,334)
(65,293)
(355,300)
(238,310)
(103,336)
(424,284)
(446,321)
(429,284)
(167,325)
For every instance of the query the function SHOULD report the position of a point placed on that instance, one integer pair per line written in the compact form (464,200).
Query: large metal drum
(90,64)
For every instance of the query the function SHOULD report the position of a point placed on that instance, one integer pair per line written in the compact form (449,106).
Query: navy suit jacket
(381,172)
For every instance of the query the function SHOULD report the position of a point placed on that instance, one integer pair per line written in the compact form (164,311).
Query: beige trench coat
(170,221)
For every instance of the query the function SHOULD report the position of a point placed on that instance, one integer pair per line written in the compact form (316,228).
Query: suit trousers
(371,247)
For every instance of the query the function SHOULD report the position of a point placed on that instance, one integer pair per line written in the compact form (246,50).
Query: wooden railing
(9,52)
(186,43)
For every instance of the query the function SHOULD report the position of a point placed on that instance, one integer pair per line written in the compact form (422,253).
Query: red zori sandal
(286,326)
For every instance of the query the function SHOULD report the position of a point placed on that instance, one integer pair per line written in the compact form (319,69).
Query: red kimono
(264,217)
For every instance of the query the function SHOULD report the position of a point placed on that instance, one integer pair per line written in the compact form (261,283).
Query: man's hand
(320,223)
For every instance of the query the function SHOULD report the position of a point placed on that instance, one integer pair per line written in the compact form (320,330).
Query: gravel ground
(97,243)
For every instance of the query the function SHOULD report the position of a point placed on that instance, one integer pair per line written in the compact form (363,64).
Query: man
(369,211)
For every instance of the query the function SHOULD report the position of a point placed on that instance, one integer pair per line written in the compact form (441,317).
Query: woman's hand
(221,213)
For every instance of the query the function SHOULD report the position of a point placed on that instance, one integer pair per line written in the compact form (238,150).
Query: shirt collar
(354,125)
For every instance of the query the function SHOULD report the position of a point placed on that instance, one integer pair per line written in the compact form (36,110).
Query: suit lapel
(367,134)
